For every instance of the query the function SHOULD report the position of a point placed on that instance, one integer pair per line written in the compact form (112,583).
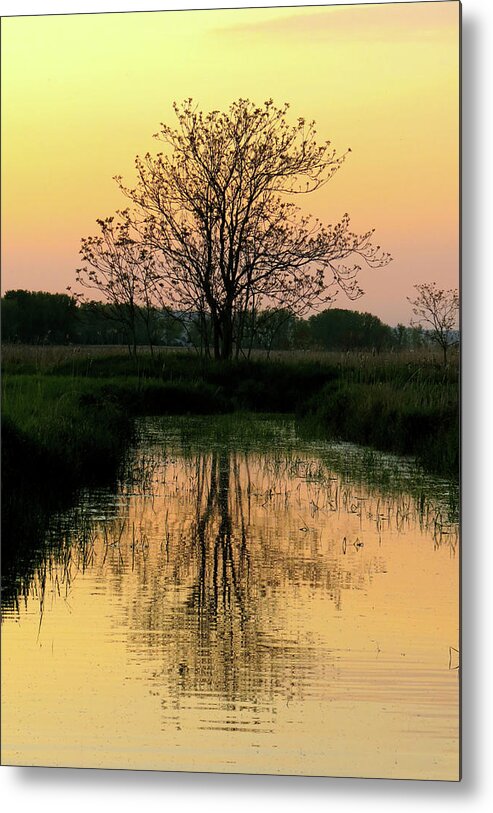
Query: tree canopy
(437,310)
(338,329)
(38,317)
(216,211)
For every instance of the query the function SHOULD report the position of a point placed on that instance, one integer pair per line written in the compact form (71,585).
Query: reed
(79,401)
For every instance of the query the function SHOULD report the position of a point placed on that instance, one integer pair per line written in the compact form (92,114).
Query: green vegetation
(418,421)
(39,318)
(78,407)
(284,439)
(52,443)
(55,423)
(337,329)
(67,416)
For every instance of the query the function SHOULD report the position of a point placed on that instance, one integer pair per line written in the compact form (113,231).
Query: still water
(246,601)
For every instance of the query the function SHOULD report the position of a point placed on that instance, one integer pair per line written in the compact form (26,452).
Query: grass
(103,361)
(51,445)
(282,439)
(78,397)
(67,417)
(420,420)
(50,422)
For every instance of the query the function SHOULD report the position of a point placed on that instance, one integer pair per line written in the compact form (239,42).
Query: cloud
(394,22)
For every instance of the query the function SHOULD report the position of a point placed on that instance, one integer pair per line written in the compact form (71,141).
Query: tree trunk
(227,340)
(216,329)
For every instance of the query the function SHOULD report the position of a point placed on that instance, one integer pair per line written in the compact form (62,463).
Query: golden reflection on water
(239,609)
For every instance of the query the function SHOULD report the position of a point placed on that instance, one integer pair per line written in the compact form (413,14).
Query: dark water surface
(247,601)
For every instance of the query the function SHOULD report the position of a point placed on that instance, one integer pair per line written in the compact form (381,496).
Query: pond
(247,600)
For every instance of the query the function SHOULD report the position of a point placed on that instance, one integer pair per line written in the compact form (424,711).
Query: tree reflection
(216,605)
(214,560)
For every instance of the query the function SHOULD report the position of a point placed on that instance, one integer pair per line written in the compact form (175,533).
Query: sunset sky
(82,95)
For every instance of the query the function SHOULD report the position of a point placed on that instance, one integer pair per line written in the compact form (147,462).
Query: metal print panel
(230,392)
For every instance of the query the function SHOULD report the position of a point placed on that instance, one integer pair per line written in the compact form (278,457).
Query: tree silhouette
(38,317)
(215,208)
(123,269)
(337,329)
(437,309)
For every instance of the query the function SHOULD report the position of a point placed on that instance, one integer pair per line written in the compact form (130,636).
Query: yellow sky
(82,95)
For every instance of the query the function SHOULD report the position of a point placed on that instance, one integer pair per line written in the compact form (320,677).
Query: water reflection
(243,592)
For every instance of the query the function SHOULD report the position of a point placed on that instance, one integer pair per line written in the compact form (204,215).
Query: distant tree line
(36,317)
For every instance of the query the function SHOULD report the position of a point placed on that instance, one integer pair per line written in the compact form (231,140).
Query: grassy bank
(67,417)
(50,424)
(386,417)
(51,445)
(76,407)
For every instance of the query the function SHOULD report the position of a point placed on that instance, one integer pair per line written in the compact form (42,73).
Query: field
(42,358)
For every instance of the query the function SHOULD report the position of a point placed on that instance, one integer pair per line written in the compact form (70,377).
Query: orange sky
(82,95)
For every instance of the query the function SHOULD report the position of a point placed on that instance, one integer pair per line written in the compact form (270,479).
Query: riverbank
(52,444)
(67,420)
(76,409)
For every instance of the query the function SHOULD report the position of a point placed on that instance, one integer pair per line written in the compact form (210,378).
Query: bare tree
(437,309)
(119,266)
(214,206)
